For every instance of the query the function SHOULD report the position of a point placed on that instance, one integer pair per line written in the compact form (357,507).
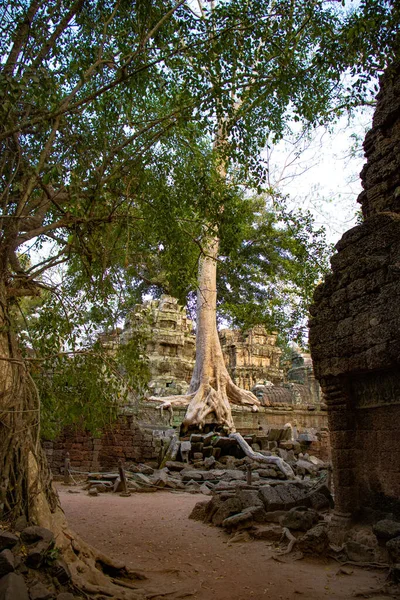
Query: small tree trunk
(211,389)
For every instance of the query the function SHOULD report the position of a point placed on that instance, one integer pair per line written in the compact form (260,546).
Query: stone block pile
(212,463)
(30,568)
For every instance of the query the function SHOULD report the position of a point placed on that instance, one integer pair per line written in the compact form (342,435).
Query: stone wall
(139,438)
(127,439)
(355,328)
(252,356)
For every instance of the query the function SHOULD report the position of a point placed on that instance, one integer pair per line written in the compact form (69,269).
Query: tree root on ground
(276,460)
(292,541)
(208,399)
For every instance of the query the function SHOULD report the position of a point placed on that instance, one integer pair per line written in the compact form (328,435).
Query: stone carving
(171,343)
(355,327)
(252,356)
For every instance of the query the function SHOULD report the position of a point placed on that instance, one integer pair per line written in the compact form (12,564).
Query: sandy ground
(187,559)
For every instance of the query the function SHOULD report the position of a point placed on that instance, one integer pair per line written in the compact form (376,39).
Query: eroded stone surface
(354,329)
(13,587)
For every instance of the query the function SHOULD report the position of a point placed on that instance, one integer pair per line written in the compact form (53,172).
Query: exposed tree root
(211,399)
(292,541)
(276,460)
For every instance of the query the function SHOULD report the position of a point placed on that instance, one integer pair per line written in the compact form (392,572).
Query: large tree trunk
(211,389)
(20,447)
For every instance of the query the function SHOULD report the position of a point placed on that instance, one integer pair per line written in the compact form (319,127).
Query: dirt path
(151,532)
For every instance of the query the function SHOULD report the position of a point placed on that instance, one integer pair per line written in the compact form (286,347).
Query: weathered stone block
(13,587)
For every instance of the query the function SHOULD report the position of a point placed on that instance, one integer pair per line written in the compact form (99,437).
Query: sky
(324,178)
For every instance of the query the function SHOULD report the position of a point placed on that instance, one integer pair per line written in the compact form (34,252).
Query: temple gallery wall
(355,329)
(254,361)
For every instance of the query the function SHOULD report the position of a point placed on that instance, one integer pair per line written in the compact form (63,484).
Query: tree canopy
(109,115)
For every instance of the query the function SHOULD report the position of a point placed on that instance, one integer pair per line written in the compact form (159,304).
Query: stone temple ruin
(253,359)
(355,327)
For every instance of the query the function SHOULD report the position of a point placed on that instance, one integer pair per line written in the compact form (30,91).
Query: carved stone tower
(355,328)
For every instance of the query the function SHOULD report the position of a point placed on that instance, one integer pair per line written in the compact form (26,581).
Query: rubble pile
(252,498)
(211,462)
(30,566)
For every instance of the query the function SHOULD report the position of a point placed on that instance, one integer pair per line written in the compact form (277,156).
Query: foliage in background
(108,117)
(268,277)
(84,377)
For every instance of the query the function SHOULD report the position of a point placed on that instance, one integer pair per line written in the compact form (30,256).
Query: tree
(286,64)
(87,98)
(92,94)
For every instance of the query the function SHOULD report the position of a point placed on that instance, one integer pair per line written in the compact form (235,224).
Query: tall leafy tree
(287,63)
(87,98)
(91,93)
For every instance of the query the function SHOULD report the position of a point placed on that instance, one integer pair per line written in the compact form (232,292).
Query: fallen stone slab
(307,437)
(141,468)
(307,466)
(194,475)
(102,488)
(228,507)
(393,548)
(270,497)
(8,540)
(267,533)
(317,462)
(175,465)
(275,434)
(209,462)
(37,553)
(359,552)
(21,523)
(242,520)
(34,533)
(186,446)
(233,475)
(60,571)
(249,498)
(204,489)
(300,520)
(133,486)
(199,511)
(315,540)
(7,564)
(13,587)
(141,478)
(268,473)
(40,592)
(386,529)
(225,443)
(103,476)
(210,438)
(274,516)
(160,478)
(193,487)
(101,483)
